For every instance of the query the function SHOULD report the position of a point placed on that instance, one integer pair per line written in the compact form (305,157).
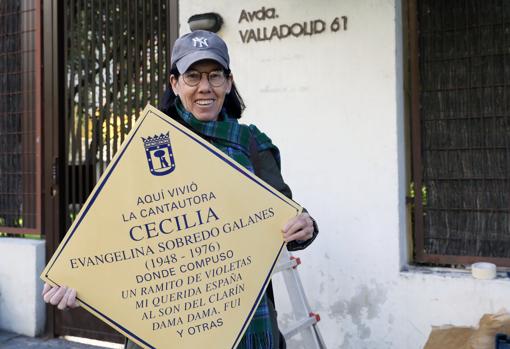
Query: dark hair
(233,104)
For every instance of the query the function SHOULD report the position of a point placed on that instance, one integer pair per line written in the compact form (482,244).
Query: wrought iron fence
(116,55)
(20,73)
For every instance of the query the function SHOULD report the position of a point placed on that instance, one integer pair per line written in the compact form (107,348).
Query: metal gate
(110,60)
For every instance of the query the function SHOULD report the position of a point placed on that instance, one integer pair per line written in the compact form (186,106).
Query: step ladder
(306,319)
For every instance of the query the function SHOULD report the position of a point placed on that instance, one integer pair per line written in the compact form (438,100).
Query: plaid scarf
(229,136)
(234,139)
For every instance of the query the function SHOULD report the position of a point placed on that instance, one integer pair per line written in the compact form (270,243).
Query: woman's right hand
(61,296)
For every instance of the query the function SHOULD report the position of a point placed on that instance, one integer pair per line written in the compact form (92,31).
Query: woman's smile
(204,102)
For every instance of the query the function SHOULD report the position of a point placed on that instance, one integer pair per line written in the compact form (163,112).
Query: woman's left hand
(298,228)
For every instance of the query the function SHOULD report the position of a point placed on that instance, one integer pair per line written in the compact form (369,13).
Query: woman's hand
(298,228)
(61,296)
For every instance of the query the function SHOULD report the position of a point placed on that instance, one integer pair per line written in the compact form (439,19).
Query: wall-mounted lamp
(206,21)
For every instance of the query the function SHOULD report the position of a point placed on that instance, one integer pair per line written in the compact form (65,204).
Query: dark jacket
(267,169)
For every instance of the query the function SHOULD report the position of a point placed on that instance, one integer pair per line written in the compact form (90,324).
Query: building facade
(393,126)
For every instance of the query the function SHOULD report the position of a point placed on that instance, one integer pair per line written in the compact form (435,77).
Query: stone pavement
(9,340)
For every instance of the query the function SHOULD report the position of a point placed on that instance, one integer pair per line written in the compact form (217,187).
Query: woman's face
(204,100)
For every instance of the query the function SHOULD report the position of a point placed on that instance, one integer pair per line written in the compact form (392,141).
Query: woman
(204,98)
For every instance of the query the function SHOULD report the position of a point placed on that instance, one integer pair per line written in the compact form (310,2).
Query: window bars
(461,130)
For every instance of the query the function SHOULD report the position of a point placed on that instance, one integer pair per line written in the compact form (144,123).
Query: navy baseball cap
(197,46)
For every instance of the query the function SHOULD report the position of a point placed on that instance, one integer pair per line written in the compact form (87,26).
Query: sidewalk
(9,340)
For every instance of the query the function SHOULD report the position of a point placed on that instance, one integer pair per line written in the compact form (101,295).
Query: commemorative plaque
(175,245)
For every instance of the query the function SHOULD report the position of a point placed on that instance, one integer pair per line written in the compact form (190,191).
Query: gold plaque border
(149,110)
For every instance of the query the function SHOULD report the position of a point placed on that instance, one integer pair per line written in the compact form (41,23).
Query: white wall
(22,308)
(333,103)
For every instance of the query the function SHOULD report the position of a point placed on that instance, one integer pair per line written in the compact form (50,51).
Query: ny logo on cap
(201,41)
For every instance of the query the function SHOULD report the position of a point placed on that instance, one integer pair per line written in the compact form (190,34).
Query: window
(460,121)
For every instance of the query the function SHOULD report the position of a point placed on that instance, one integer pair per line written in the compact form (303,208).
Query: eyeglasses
(216,77)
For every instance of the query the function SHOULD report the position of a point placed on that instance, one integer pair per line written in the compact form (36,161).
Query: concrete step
(9,340)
